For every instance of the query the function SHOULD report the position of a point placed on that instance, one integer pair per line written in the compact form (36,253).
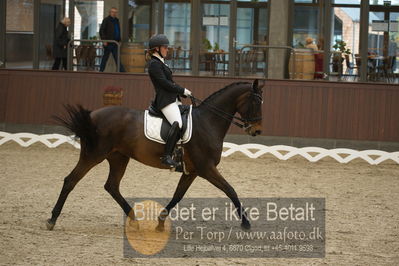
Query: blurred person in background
(61,39)
(393,49)
(310,44)
(110,30)
(320,43)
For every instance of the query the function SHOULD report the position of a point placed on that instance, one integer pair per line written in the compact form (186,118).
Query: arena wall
(300,109)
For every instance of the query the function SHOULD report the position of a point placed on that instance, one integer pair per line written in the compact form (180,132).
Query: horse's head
(250,109)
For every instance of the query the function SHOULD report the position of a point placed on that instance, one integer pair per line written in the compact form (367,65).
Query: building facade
(278,39)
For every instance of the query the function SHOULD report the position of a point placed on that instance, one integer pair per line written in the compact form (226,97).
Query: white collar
(160,58)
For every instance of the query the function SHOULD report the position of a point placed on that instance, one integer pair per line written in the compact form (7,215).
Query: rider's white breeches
(172,113)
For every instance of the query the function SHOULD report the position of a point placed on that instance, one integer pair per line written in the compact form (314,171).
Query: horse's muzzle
(256,132)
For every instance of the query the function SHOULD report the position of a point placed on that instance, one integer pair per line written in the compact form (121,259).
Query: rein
(245,122)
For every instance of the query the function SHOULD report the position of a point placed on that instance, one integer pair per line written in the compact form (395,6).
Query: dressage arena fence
(282,152)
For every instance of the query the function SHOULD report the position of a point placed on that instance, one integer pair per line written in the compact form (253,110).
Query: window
(214,38)
(347,27)
(177,25)
(19,34)
(88,18)
(51,12)
(19,16)
(384,2)
(139,21)
(347,2)
(252,29)
(306,25)
(252,25)
(306,1)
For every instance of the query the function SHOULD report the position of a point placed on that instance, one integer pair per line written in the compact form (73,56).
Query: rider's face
(163,50)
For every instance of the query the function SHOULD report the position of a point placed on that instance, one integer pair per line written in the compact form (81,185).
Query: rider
(168,93)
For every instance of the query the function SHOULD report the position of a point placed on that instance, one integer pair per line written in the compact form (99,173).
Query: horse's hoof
(50,225)
(246,226)
(134,225)
(160,228)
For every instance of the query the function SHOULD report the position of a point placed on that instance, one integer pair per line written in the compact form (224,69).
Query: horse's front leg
(214,177)
(184,183)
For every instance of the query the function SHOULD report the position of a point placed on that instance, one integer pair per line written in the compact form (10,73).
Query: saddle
(156,126)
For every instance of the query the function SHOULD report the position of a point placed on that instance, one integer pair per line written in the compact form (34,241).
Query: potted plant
(216,48)
(339,55)
(112,95)
(206,44)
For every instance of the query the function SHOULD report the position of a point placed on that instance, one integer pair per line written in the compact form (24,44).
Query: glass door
(383,46)
(177,26)
(393,43)
(50,15)
(251,29)
(139,21)
(88,16)
(345,43)
(19,34)
(214,38)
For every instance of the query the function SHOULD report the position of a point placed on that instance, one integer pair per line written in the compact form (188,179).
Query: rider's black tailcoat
(166,89)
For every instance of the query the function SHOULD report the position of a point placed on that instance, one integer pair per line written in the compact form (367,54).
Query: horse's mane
(216,93)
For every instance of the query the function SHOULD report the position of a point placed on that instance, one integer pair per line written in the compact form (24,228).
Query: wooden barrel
(304,64)
(133,57)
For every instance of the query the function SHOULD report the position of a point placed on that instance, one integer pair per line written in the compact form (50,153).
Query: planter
(112,96)
(112,99)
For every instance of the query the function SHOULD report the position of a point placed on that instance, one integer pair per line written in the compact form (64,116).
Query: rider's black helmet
(158,40)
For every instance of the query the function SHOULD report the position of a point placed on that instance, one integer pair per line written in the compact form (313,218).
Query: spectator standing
(310,44)
(393,48)
(320,43)
(61,39)
(110,30)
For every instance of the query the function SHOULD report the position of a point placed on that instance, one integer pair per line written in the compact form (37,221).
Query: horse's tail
(78,121)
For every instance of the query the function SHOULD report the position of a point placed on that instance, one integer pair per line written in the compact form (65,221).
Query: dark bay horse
(117,134)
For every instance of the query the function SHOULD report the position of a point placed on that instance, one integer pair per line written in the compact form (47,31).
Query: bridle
(245,122)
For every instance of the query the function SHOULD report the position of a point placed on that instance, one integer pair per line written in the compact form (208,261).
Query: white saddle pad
(152,128)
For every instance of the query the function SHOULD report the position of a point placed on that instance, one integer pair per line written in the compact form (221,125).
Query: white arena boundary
(282,152)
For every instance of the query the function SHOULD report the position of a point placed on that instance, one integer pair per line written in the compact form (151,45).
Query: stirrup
(168,160)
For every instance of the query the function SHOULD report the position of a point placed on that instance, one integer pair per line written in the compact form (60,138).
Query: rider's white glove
(187,92)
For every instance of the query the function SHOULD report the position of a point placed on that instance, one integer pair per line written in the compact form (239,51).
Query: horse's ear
(255,85)
(262,85)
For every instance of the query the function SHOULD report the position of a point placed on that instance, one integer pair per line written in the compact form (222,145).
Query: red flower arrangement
(113,90)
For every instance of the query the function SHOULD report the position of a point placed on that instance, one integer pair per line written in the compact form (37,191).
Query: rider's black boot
(173,137)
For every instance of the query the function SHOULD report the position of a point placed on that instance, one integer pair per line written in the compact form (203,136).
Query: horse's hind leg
(184,183)
(117,167)
(214,177)
(80,170)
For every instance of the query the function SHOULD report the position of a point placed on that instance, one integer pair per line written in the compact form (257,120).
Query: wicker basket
(112,98)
